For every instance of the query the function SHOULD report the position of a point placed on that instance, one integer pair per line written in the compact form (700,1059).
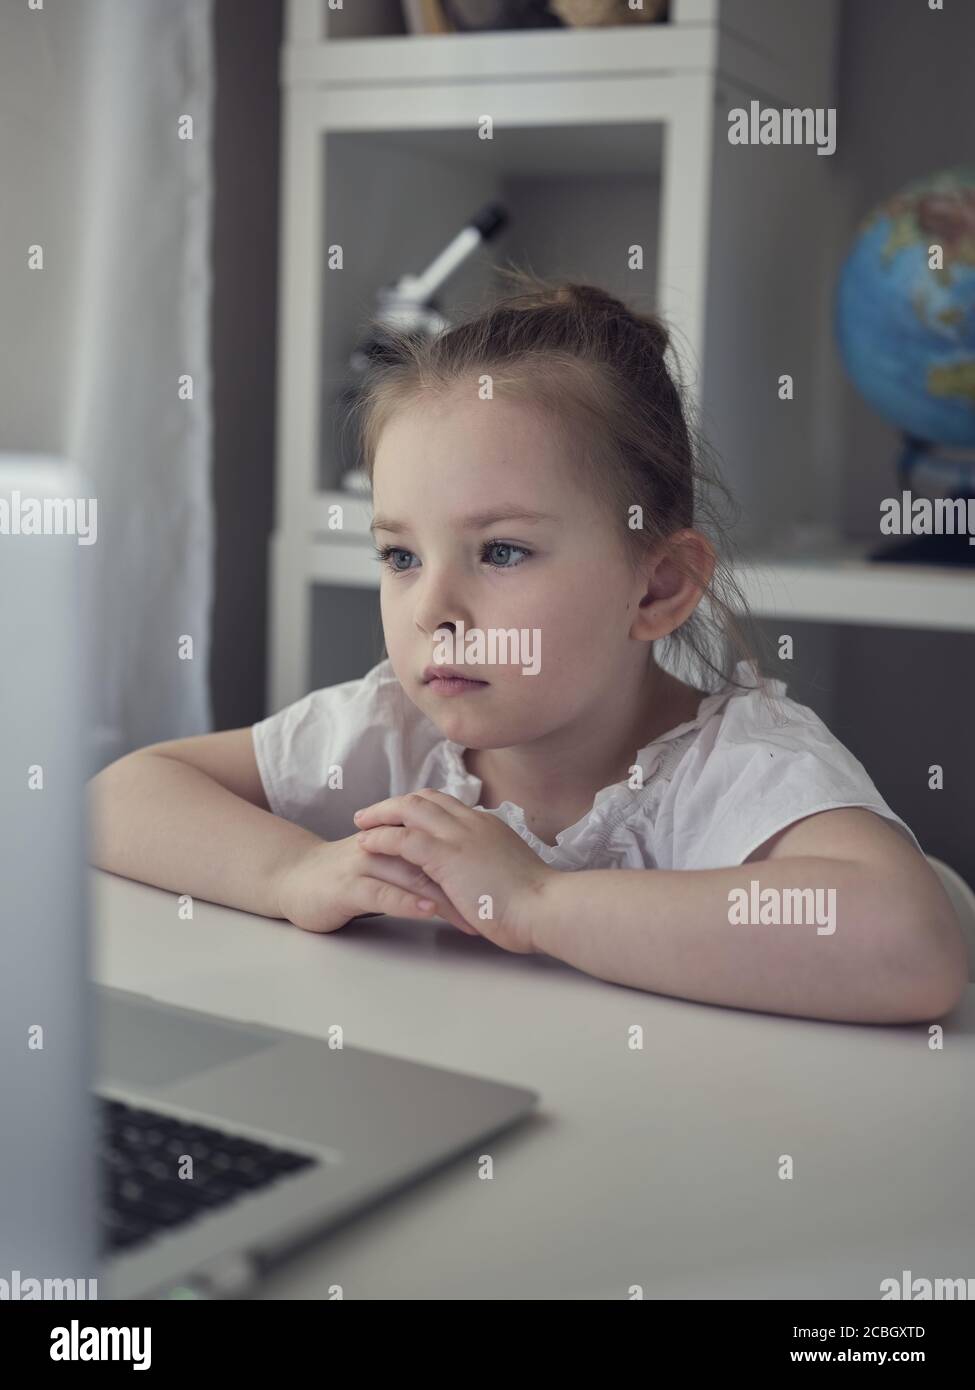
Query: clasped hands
(488,874)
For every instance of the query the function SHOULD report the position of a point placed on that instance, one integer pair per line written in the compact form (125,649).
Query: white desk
(656,1167)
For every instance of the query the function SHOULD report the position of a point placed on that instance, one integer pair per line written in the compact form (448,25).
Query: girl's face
(559,575)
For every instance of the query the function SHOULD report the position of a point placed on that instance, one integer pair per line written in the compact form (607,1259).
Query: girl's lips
(432,673)
(454,685)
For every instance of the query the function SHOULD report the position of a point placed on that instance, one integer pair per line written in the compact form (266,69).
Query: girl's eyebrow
(477,521)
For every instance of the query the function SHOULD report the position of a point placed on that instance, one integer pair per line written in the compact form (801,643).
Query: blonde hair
(597,370)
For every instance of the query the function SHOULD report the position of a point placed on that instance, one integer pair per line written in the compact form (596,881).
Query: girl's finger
(374,895)
(403,903)
(424,808)
(391,839)
(392,868)
(374,842)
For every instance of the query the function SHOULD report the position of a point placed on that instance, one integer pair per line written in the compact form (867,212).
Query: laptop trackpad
(142,1043)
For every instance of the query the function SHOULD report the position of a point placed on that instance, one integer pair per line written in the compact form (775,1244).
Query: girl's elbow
(950,988)
(940,977)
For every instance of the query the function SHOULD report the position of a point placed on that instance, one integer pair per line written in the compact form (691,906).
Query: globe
(906,331)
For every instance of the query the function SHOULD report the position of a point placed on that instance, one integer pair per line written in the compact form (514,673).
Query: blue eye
(385,554)
(507,546)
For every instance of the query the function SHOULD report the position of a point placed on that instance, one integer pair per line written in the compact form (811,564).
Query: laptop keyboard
(142,1154)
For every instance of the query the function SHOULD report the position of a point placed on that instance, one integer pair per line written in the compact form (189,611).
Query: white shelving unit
(603,138)
(834,581)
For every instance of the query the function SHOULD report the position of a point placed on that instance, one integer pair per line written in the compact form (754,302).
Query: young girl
(537,512)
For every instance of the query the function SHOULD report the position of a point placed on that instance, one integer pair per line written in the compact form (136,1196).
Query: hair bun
(534,292)
(589,299)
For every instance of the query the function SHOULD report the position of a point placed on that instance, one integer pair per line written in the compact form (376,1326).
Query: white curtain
(93,346)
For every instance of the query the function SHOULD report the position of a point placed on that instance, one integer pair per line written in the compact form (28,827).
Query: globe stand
(953,549)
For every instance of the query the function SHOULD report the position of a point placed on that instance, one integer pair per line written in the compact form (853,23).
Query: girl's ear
(673,586)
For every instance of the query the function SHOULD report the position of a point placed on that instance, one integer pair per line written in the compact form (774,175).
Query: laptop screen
(47,1169)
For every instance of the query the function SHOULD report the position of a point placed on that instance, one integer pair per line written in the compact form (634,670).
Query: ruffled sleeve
(340,748)
(751,773)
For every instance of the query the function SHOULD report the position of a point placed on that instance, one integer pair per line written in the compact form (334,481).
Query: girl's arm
(895,953)
(190,815)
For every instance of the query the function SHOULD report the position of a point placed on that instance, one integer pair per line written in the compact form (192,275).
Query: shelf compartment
(569,190)
(767,44)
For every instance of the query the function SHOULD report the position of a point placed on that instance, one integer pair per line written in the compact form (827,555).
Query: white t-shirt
(714,789)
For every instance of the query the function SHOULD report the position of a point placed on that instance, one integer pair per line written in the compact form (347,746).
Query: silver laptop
(160,1151)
